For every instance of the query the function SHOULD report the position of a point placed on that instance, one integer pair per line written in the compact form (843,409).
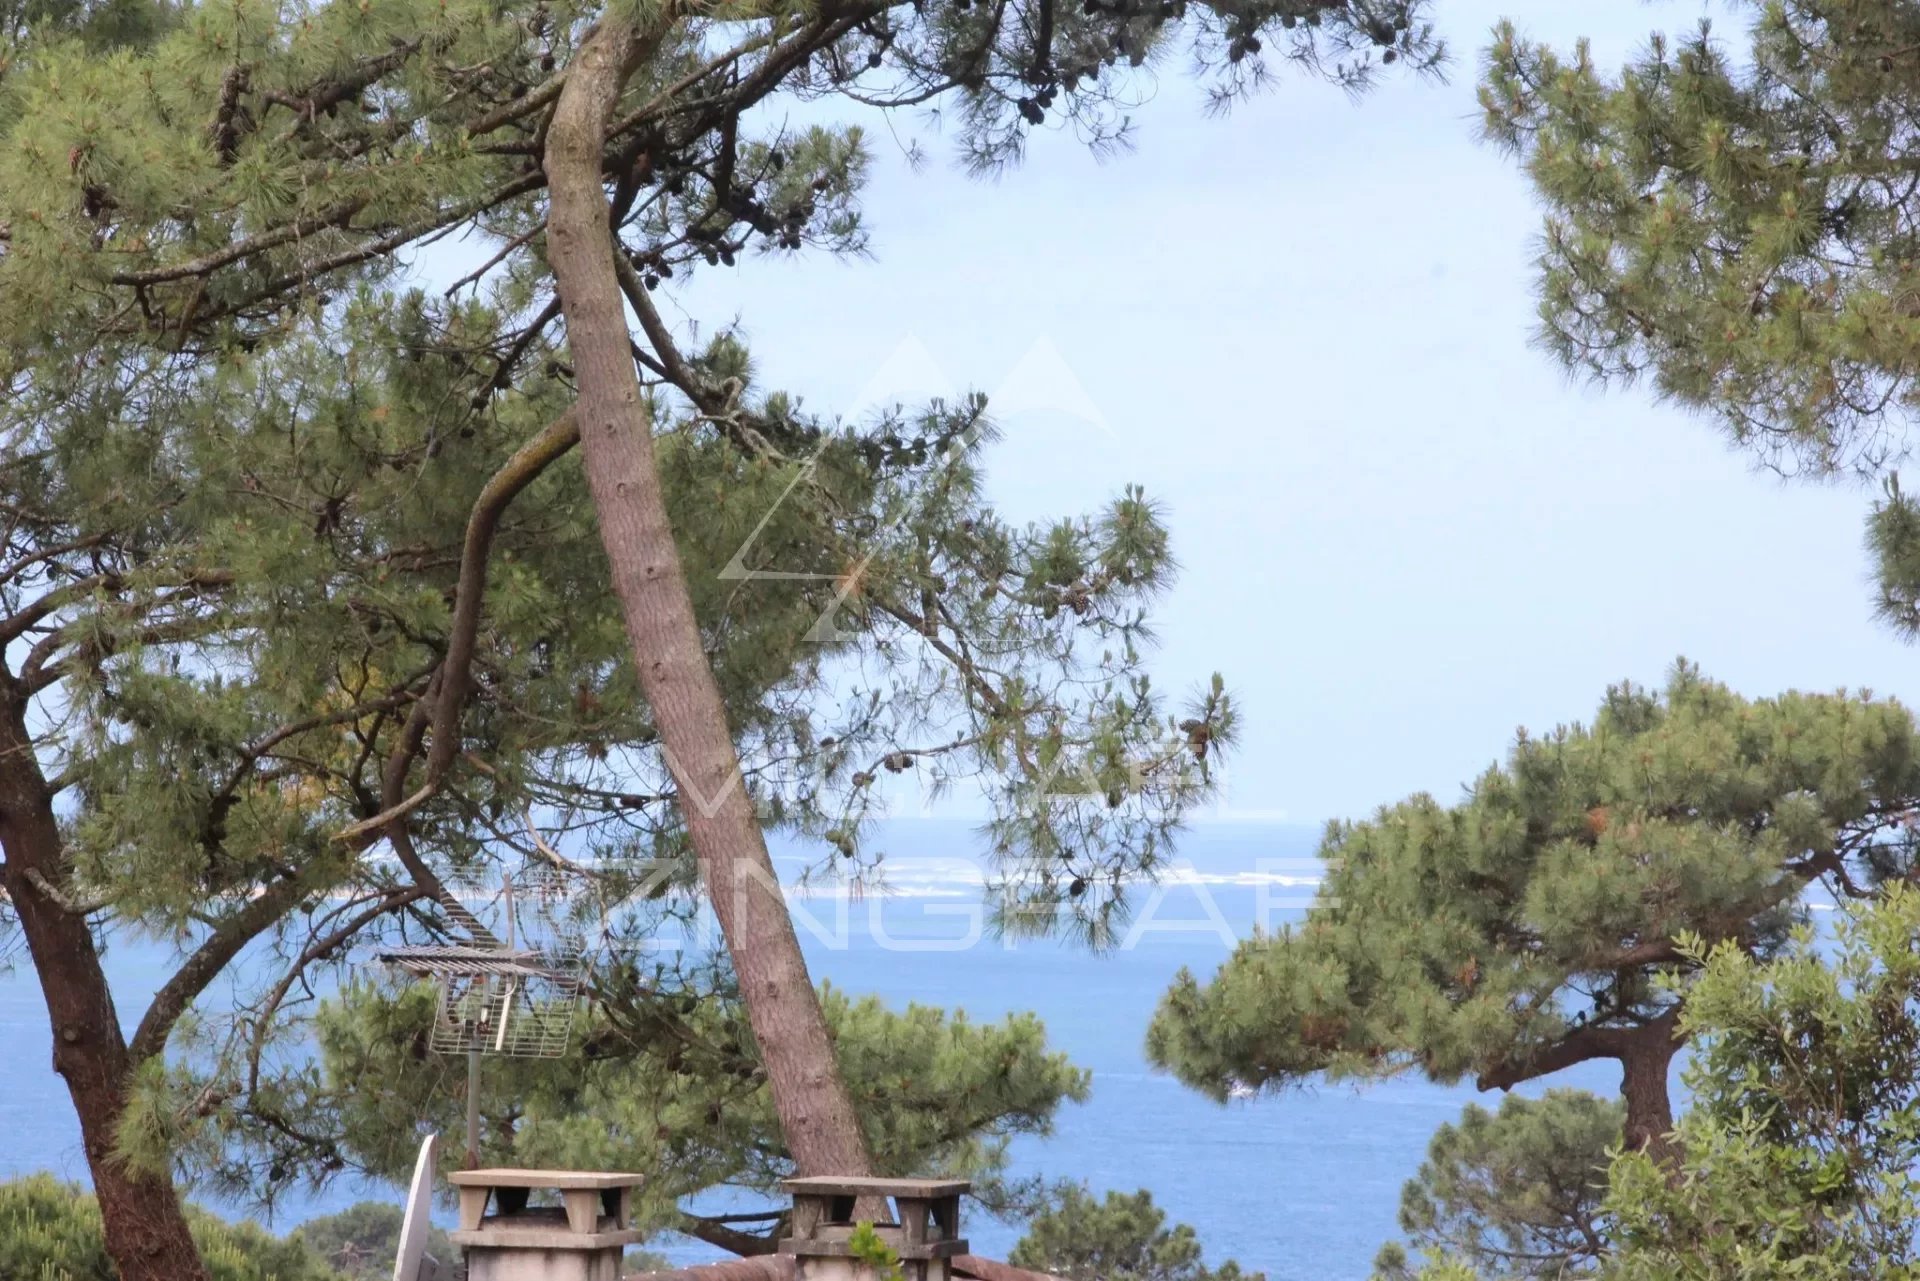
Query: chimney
(582,1239)
(924,1231)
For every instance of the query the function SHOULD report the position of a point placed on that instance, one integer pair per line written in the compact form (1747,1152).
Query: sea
(1303,1185)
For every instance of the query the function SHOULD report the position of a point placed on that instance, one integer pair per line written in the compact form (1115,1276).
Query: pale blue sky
(1304,327)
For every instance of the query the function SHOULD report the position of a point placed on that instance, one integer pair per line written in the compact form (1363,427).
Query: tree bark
(1644,1054)
(616,433)
(146,1231)
(1643,1084)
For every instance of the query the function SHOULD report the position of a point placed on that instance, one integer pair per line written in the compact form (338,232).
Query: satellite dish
(419,1219)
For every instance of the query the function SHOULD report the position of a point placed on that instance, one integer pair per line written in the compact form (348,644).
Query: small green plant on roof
(867,1246)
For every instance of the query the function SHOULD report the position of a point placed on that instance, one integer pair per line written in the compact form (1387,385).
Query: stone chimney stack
(582,1239)
(924,1231)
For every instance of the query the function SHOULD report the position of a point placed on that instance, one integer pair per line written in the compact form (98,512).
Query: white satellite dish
(419,1218)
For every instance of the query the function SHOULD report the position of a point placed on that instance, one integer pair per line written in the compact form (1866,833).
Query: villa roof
(779,1267)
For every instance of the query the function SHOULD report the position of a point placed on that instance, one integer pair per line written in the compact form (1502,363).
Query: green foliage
(1722,221)
(99,26)
(50,1231)
(868,1247)
(1123,1238)
(1727,223)
(1516,1193)
(1893,539)
(1523,929)
(239,464)
(1797,1157)
(670,1083)
(239,460)
(238,160)
(361,1241)
(237,582)
(1801,1146)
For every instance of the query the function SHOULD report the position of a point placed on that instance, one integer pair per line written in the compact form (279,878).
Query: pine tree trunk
(1643,1084)
(146,1231)
(822,1130)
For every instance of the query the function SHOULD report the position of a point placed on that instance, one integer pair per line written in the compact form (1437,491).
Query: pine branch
(60,898)
(1583,1045)
(717,1231)
(230,936)
(334,215)
(518,472)
(454,677)
(318,950)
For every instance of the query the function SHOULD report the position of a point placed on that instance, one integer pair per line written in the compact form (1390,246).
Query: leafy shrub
(50,1231)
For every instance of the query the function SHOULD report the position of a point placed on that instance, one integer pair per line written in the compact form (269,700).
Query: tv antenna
(499,997)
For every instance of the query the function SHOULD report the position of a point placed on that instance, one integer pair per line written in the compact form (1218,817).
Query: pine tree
(1796,1157)
(227,611)
(195,201)
(1517,1194)
(1529,927)
(615,424)
(1735,226)
(1121,1238)
(668,1081)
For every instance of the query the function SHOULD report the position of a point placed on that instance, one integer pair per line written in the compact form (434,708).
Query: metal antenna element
(498,998)
(507,1001)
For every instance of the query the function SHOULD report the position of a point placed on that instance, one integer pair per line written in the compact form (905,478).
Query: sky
(1403,531)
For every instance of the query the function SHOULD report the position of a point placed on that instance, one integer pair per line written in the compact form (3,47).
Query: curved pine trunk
(616,436)
(146,1230)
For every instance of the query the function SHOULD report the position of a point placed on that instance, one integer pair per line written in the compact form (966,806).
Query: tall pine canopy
(225,603)
(298,569)
(1734,220)
(1526,928)
(1737,222)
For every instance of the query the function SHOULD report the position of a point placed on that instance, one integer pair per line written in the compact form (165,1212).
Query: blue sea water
(1303,1185)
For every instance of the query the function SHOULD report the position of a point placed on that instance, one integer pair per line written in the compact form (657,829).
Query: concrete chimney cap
(843,1186)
